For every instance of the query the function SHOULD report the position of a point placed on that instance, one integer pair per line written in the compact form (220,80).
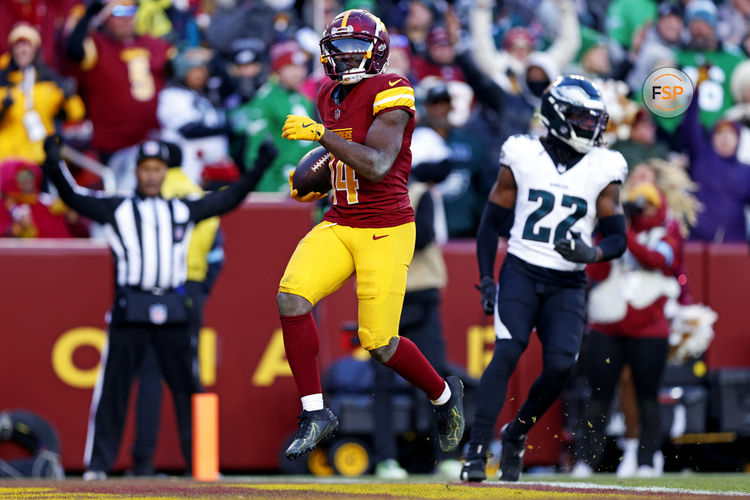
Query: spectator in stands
(734,21)
(120,74)
(417,24)
(657,45)
(265,114)
(32,98)
(724,182)
(236,22)
(626,17)
(642,143)
(436,144)
(173,21)
(25,212)
(508,67)
(499,113)
(629,326)
(708,62)
(740,112)
(189,119)
(245,73)
(47,16)
(439,58)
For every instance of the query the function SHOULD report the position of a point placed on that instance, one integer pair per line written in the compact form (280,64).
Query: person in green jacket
(708,62)
(625,17)
(265,114)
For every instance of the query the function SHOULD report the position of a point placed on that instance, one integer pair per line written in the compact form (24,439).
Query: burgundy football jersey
(120,82)
(356,201)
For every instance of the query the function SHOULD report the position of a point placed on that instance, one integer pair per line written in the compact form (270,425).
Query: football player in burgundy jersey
(368,120)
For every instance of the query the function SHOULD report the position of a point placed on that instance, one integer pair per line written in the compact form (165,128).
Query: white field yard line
(628,489)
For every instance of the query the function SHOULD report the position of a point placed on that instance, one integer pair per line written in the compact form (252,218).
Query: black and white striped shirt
(148,235)
(149,238)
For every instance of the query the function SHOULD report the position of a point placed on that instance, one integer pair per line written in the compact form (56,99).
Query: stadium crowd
(218,78)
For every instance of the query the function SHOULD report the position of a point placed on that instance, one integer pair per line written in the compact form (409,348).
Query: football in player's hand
(312,174)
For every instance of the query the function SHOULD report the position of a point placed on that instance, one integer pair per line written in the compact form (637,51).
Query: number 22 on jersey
(543,233)
(345,179)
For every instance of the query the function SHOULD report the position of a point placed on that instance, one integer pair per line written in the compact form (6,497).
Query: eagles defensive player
(552,191)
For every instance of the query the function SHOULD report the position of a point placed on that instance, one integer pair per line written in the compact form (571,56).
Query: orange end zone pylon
(206,437)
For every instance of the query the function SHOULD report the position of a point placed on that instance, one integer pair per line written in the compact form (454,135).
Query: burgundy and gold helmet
(354,46)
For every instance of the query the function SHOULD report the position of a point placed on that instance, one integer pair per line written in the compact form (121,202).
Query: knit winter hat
(701,10)
(288,52)
(25,31)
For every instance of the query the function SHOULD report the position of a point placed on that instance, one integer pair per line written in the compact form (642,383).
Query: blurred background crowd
(218,77)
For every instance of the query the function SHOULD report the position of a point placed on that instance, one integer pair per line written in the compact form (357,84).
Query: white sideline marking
(634,489)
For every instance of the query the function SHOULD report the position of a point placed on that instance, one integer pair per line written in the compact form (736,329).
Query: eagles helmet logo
(574,112)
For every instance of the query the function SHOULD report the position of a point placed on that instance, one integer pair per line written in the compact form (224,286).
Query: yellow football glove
(309,197)
(302,128)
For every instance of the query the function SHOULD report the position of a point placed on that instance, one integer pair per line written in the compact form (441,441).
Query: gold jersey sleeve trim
(393,98)
(90,55)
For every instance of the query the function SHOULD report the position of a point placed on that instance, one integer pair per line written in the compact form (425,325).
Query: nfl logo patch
(337,114)
(157,314)
(151,148)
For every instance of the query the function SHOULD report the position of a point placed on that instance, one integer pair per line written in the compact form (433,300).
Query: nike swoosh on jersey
(378,237)
(394,83)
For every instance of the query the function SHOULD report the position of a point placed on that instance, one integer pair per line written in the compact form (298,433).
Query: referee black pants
(148,402)
(122,358)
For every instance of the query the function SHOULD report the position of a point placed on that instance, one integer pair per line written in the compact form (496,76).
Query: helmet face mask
(354,46)
(573,111)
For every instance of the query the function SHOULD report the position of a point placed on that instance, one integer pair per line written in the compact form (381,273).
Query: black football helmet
(573,111)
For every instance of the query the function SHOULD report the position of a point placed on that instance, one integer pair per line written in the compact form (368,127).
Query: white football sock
(444,397)
(312,402)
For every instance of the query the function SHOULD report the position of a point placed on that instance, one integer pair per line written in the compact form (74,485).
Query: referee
(148,236)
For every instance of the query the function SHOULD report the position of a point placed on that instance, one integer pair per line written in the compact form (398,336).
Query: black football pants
(122,359)
(148,404)
(524,303)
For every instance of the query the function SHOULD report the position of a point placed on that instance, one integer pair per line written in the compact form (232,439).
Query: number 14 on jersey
(344,179)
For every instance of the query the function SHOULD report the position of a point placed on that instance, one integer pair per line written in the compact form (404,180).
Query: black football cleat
(450,416)
(511,457)
(314,427)
(475,464)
